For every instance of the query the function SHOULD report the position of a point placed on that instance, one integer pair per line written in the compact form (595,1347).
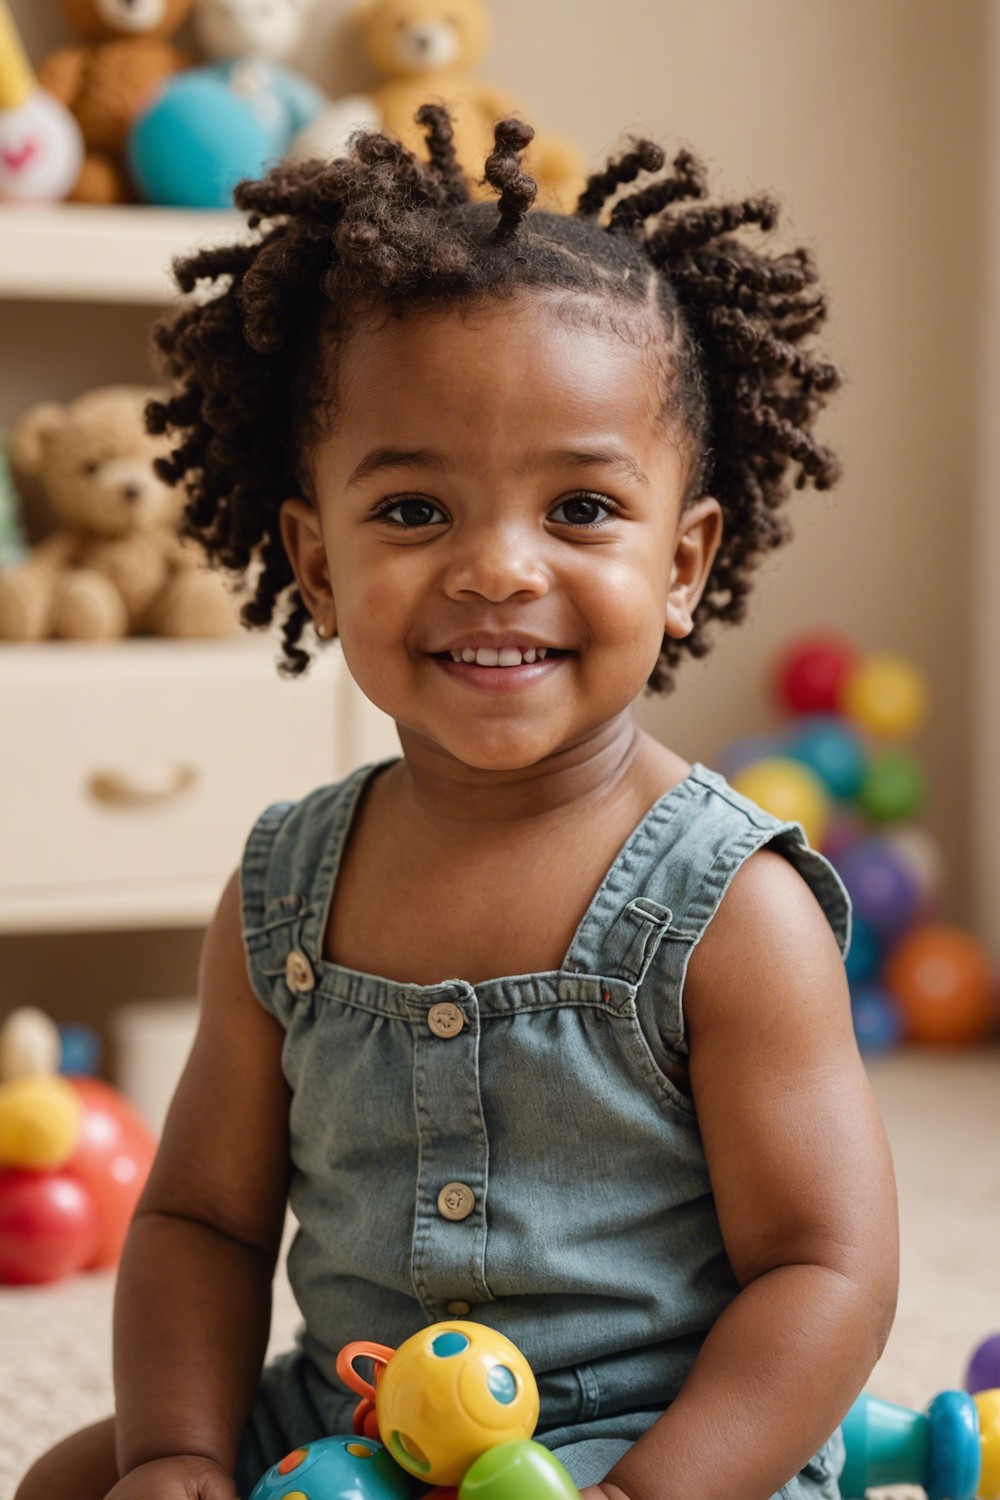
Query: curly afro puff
(380,228)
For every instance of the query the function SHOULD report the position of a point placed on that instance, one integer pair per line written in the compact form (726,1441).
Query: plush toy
(107,78)
(212,126)
(41,147)
(425,50)
(115,565)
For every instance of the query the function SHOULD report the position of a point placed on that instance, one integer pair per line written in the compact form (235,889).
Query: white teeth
(507,656)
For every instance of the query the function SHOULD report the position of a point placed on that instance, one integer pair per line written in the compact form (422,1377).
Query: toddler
(537,1025)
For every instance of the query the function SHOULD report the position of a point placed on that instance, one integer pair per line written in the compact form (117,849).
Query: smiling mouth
(505,656)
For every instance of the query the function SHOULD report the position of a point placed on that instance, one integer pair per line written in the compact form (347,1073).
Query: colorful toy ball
(112,1158)
(945,985)
(334,1468)
(885,694)
(834,751)
(809,676)
(449,1393)
(894,786)
(49,1227)
(787,790)
(878,1020)
(983,1373)
(881,888)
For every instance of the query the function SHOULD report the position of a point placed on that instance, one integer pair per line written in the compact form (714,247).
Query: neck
(445,791)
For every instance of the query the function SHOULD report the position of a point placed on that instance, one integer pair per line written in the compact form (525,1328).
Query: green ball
(518,1470)
(893,788)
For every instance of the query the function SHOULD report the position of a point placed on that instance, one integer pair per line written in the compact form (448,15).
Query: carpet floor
(942,1113)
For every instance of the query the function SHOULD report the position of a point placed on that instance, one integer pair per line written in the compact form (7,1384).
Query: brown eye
(583,510)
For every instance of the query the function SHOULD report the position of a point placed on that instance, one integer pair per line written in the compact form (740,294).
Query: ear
(699,532)
(302,537)
(28,438)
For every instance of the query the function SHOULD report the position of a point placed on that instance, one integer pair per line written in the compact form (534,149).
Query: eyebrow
(425,458)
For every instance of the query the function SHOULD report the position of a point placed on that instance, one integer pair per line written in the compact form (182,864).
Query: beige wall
(868,118)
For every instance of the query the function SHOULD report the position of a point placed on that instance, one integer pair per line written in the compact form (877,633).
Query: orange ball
(945,985)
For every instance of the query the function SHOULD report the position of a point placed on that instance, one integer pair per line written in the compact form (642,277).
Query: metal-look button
(445,1019)
(458,1309)
(456,1200)
(298,973)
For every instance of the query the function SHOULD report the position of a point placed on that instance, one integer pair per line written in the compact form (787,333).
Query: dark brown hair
(380,228)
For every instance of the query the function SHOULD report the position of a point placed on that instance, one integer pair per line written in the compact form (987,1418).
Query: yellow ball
(39,1122)
(988,1406)
(787,790)
(448,1394)
(885,694)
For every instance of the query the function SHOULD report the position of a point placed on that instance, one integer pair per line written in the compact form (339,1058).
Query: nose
(495,563)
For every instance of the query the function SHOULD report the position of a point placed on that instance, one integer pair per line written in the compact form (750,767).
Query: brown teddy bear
(108,78)
(424,50)
(115,565)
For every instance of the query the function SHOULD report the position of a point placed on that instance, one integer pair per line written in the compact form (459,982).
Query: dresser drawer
(130,775)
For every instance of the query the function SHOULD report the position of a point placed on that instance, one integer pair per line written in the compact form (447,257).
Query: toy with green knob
(454,1407)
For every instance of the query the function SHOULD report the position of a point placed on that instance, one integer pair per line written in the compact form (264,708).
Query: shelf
(69,252)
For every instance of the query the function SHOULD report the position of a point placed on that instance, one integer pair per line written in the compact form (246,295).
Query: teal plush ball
(195,142)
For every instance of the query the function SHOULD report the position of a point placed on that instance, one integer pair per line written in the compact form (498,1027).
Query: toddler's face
(498,534)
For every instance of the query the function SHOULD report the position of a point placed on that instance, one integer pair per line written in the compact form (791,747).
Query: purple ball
(881,887)
(983,1373)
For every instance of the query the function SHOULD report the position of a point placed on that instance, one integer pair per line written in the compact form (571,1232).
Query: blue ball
(878,1020)
(864,959)
(834,751)
(195,142)
(80,1049)
(335,1468)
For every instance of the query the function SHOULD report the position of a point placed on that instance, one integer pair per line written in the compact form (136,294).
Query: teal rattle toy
(952,1450)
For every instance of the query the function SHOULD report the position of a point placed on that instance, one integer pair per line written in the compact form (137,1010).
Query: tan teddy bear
(115,565)
(425,50)
(109,77)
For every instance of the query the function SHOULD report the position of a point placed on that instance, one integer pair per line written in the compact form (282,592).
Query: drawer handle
(141,788)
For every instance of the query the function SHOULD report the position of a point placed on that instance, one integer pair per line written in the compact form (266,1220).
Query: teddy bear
(115,563)
(425,50)
(106,79)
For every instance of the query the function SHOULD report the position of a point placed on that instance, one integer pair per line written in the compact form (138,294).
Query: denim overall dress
(513,1152)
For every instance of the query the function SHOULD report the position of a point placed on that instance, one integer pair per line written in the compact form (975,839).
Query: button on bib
(299,975)
(445,1019)
(456,1201)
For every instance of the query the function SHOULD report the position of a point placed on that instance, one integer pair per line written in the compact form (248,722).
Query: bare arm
(193,1302)
(804,1187)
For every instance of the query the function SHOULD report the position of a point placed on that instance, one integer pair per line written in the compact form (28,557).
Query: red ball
(945,985)
(113,1155)
(48,1226)
(808,676)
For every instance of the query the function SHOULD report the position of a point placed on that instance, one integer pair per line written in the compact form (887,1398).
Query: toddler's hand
(603,1491)
(185,1477)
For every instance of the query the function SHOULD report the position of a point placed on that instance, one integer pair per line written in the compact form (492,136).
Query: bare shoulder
(797,1155)
(224,1153)
(769,956)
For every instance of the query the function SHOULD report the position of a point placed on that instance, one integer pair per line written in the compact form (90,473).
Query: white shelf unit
(63,252)
(102,904)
